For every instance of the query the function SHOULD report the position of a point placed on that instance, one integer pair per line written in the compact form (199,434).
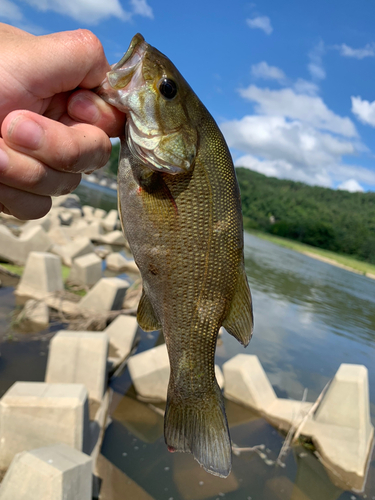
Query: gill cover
(150,90)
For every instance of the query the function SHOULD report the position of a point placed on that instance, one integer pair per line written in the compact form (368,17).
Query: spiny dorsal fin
(239,320)
(145,315)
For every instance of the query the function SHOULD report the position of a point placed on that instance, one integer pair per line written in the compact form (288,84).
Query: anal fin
(146,316)
(239,320)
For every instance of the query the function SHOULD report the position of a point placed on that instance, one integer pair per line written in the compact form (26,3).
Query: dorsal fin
(239,320)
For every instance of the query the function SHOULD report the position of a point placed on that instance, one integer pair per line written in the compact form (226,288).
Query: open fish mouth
(126,75)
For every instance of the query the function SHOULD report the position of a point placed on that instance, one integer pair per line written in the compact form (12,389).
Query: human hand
(50,132)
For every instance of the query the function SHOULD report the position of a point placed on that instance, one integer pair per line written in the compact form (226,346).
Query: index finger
(67,60)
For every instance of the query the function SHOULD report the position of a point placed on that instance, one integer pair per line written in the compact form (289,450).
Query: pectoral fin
(239,320)
(145,315)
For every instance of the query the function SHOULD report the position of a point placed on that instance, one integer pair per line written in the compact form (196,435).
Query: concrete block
(36,414)
(41,276)
(284,413)
(35,315)
(245,382)
(88,212)
(59,236)
(56,472)
(86,270)
(99,213)
(346,402)
(66,200)
(79,225)
(78,247)
(114,238)
(66,218)
(107,295)
(117,262)
(103,250)
(110,220)
(149,371)
(76,213)
(13,249)
(341,428)
(219,376)
(121,333)
(44,222)
(94,231)
(80,358)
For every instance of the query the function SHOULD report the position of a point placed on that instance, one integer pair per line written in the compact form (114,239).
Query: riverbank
(342,261)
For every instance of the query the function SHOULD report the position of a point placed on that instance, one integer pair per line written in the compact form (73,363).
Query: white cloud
(142,8)
(10,11)
(315,66)
(260,22)
(92,11)
(309,109)
(263,70)
(296,149)
(305,87)
(346,51)
(351,185)
(296,136)
(364,110)
(89,11)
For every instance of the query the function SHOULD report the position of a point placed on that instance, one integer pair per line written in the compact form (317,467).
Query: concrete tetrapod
(86,270)
(150,372)
(56,472)
(78,247)
(80,358)
(35,315)
(16,250)
(35,414)
(107,295)
(340,428)
(245,382)
(121,333)
(42,276)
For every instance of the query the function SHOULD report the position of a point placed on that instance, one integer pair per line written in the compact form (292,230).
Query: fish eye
(167,88)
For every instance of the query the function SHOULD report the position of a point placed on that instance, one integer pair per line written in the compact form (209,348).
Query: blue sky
(291,84)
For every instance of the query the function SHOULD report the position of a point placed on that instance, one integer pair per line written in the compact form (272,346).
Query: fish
(180,209)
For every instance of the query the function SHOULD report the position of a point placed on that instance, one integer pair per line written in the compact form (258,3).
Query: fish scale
(183,222)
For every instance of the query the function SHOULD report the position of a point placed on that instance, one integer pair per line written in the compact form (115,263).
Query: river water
(309,318)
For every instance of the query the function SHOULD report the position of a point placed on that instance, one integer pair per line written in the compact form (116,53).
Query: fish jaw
(125,76)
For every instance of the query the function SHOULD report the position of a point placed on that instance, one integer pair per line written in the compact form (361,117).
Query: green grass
(13,268)
(345,260)
(65,270)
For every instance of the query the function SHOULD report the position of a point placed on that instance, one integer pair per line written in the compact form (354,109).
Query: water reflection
(309,318)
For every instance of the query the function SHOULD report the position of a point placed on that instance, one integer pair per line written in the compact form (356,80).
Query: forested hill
(335,220)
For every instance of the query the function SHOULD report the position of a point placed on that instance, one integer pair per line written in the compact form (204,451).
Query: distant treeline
(339,221)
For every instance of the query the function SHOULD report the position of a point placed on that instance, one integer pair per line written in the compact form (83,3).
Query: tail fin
(200,428)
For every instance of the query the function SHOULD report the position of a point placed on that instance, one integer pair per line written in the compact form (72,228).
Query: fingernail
(25,132)
(83,109)
(4,160)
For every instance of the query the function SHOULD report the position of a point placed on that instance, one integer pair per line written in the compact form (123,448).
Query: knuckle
(89,38)
(71,185)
